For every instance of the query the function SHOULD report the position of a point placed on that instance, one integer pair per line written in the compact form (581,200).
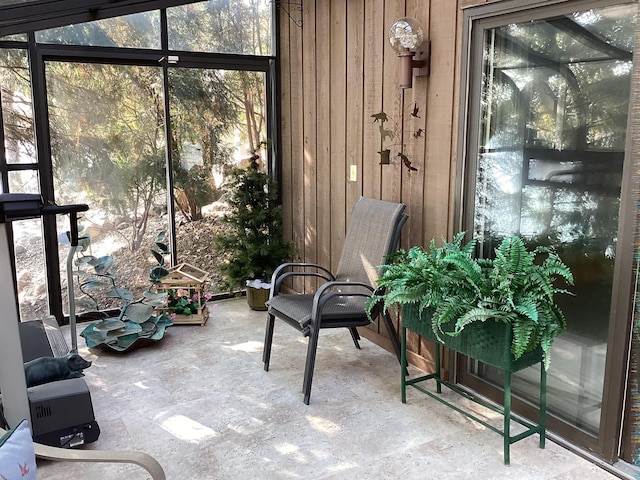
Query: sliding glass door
(547,136)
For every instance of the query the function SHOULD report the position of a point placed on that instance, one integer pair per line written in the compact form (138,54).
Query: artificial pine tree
(254,240)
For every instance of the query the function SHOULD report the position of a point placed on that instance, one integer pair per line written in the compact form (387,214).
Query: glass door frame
(476,21)
(41,54)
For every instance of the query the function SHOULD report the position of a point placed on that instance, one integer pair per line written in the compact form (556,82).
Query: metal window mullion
(4,175)
(45,170)
(171,213)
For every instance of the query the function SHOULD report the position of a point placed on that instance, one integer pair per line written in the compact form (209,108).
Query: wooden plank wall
(337,70)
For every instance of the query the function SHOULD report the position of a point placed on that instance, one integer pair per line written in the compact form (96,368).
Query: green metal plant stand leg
(505,410)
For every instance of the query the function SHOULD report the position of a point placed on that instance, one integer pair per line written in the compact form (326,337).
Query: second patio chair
(373,233)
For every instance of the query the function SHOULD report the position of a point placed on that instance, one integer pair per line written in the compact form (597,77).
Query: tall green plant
(517,287)
(254,242)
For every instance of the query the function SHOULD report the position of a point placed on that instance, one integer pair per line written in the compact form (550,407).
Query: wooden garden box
(185,281)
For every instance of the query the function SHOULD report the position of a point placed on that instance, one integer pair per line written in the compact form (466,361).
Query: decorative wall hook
(288,8)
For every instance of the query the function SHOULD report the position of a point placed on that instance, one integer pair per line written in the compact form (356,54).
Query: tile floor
(200,402)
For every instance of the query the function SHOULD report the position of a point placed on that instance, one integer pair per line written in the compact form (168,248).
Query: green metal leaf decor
(84,260)
(155,299)
(156,273)
(158,256)
(136,325)
(121,293)
(109,324)
(138,312)
(131,334)
(104,264)
(128,328)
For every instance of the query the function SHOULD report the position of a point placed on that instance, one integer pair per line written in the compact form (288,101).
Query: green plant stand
(489,342)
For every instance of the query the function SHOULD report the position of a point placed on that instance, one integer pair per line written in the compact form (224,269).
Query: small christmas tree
(254,240)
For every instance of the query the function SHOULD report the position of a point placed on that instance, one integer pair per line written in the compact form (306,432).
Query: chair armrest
(325,293)
(141,459)
(287,270)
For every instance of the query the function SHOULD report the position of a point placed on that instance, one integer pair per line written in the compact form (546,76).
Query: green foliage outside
(107,121)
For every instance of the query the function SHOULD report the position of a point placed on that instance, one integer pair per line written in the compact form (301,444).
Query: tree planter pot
(490,343)
(257,298)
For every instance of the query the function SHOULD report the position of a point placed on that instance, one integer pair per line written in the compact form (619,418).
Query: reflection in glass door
(548,166)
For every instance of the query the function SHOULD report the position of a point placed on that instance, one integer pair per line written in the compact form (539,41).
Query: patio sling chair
(373,233)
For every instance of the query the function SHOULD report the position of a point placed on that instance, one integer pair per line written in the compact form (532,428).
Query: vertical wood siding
(337,71)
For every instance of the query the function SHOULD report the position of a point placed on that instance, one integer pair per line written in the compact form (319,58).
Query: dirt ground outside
(131,269)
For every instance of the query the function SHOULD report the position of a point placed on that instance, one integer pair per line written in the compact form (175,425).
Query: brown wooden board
(310,140)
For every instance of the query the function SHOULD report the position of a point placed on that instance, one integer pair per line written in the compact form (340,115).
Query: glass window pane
(226,27)
(10,2)
(24,181)
(17,113)
(31,272)
(555,98)
(218,118)
(108,149)
(611,24)
(140,30)
(17,37)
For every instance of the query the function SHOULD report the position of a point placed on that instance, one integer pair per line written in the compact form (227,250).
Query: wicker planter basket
(488,342)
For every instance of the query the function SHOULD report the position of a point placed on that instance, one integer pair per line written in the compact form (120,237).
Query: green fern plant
(517,287)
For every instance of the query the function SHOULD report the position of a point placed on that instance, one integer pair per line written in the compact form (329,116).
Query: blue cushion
(17,457)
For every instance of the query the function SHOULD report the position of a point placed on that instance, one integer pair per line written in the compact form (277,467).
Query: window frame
(39,53)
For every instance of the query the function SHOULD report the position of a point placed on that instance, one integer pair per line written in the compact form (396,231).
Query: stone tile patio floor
(200,402)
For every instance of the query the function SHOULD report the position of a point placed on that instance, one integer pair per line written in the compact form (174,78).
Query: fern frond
(512,256)
(516,287)
(554,266)
(528,309)
(477,314)
(523,332)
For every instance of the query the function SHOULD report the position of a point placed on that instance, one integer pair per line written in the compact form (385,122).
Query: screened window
(17,111)
(145,140)
(20,37)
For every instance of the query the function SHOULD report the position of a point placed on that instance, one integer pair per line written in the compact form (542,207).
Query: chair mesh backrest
(371,236)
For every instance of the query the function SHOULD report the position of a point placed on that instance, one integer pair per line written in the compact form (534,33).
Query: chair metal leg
(310,363)
(268,340)
(355,336)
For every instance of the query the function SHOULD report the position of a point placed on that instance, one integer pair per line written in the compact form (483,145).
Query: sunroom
(518,117)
